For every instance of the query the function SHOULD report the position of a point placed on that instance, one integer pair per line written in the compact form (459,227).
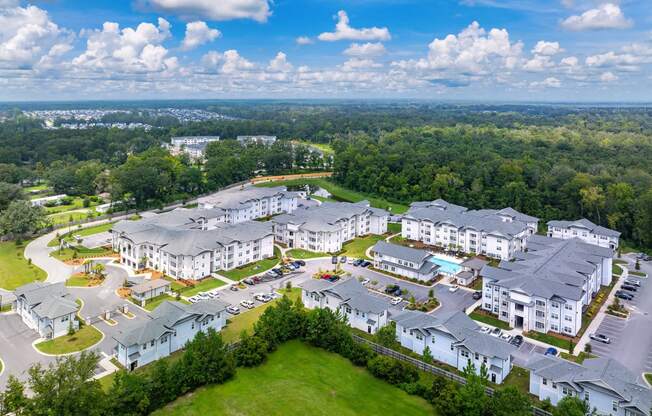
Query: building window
(545,381)
(614,406)
(586,396)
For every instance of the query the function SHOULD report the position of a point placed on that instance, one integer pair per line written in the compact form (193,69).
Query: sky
(479,50)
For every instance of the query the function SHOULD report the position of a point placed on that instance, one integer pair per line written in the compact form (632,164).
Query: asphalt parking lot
(525,352)
(97,240)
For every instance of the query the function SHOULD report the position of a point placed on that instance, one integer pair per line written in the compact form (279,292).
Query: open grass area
(247,318)
(15,270)
(67,217)
(297,253)
(358,247)
(579,358)
(549,339)
(82,253)
(616,269)
(85,337)
(342,194)
(107,380)
(648,378)
(519,378)
(153,303)
(489,320)
(637,274)
(296,380)
(323,147)
(253,268)
(82,232)
(208,283)
(394,227)
(82,280)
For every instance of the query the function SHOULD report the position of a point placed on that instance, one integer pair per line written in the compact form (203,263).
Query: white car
(261,297)
(485,330)
(193,299)
(247,304)
(396,300)
(233,310)
(506,337)
(365,282)
(203,295)
(453,288)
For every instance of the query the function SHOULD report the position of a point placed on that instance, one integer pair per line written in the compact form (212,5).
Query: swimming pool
(446,266)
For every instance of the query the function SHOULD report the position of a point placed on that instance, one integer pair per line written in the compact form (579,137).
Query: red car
(326,276)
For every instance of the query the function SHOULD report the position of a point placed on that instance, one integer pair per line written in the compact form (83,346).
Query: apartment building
(326,227)
(363,311)
(191,244)
(547,287)
(405,261)
(586,231)
(259,139)
(193,146)
(605,384)
(46,308)
(250,202)
(169,327)
(454,339)
(494,233)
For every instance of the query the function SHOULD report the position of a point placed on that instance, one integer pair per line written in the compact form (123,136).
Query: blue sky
(527,50)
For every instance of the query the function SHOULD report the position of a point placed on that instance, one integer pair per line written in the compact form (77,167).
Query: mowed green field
(15,270)
(300,380)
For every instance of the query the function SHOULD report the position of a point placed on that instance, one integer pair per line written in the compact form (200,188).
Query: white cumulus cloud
(550,82)
(608,77)
(212,9)
(279,63)
(198,33)
(547,48)
(365,49)
(606,16)
(303,40)
(343,31)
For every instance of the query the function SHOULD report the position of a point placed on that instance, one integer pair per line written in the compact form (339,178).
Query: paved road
(632,337)
(39,252)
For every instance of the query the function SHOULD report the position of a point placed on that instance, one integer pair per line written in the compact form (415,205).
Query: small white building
(150,289)
(363,311)
(39,202)
(586,231)
(169,328)
(470,271)
(405,261)
(605,384)
(455,339)
(46,308)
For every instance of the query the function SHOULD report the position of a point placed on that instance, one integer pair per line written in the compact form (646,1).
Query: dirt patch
(124,292)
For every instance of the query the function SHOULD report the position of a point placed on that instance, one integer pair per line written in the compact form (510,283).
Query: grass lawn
(298,253)
(14,269)
(324,147)
(82,253)
(519,378)
(477,284)
(80,280)
(548,339)
(648,377)
(637,274)
(205,285)
(616,269)
(579,358)
(64,217)
(151,304)
(394,227)
(83,232)
(246,320)
(296,380)
(85,337)
(342,194)
(107,381)
(253,268)
(357,248)
(489,320)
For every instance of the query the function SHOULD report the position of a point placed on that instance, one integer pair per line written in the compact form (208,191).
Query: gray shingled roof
(584,223)
(366,302)
(236,198)
(413,255)
(324,217)
(50,300)
(475,263)
(150,285)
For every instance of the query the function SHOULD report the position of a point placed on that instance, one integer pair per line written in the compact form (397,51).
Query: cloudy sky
(532,50)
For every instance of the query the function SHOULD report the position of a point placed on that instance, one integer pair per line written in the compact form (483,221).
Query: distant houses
(259,139)
(54,199)
(193,146)
(46,308)
(586,231)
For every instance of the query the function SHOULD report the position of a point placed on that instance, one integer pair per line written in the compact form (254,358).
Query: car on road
(453,288)
(233,310)
(395,301)
(630,288)
(233,288)
(365,282)
(517,340)
(477,295)
(551,351)
(247,304)
(633,282)
(621,294)
(334,260)
(343,259)
(496,332)
(600,337)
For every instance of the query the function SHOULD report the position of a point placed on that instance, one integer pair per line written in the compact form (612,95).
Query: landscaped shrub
(359,354)
(392,370)
(251,351)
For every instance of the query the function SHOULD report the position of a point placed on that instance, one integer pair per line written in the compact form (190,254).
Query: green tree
(206,360)
(571,406)
(509,401)
(129,395)
(251,351)
(21,218)
(13,399)
(386,336)
(427,355)
(9,193)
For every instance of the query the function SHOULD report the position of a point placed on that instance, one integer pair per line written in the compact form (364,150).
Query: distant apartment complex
(546,287)
(193,146)
(405,261)
(259,139)
(326,227)
(494,233)
(606,385)
(169,328)
(191,243)
(455,339)
(363,310)
(250,203)
(586,231)
(46,308)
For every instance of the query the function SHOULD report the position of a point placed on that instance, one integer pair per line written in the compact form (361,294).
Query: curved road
(39,252)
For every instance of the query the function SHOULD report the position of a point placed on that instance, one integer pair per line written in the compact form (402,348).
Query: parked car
(300,262)
(233,288)
(621,294)
(485,330)
(633,282)
(193,299)
(261,297)
(453,288)
(392,289)
(365,282)
(365,263)
(477,295)
(551,351)
(296,264)
(506,337)
(334,260)
(395,301)
(517,340)
(257,279)
(333,278)
(496,332)
(203,295)
(630,288)
(343,259)
(233,310)
(356,262)
(600,337)
(247,304)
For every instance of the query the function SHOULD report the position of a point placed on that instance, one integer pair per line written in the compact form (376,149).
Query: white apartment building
(326,227)
(250,202)
(193,146)
(605,384)
(547,287)
(454,339)
(586,231)
(405,261)
(169,328)
(191,244)
(259,139)
(363,311)
(494,233)
(179,141)
(46,308)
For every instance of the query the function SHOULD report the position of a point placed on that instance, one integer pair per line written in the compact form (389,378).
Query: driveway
(39,252)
